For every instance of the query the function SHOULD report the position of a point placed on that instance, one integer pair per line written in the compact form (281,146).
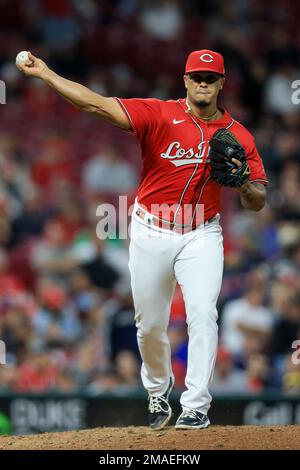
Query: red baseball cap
(205,61)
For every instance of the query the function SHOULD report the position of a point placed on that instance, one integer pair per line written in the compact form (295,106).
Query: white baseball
(22,57)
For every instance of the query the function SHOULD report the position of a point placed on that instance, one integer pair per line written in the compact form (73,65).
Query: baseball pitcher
(190,149)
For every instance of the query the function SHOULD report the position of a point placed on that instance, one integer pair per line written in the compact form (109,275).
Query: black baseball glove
(223,147)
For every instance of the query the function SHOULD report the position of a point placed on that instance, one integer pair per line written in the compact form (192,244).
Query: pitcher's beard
(202,104)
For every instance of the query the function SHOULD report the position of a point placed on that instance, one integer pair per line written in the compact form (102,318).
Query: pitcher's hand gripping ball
(22,57)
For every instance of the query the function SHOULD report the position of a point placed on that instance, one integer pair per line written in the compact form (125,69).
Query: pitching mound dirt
(213,438)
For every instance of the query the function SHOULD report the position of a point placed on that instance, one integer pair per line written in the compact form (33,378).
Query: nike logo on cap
(178,122)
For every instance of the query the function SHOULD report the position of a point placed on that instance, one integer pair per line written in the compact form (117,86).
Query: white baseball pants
(158,258)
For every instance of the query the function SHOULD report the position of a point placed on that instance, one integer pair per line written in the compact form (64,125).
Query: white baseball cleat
(192,419)
(159,409)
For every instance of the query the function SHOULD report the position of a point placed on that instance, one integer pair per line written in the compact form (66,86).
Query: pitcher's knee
(150,330)
(201,315)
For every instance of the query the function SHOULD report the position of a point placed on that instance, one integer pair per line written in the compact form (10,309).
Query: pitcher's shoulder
(241,132)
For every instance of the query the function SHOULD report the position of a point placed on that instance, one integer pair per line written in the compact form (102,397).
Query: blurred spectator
(278,89)
(287,326)
(107,172)
(16,332)
(54,162)
(104,382)
(127,371)
(71,218)
(288,205)
(122,327)
(281,50)
(55,322)
(291,377)
(86,363)
(59,27)
(10,283)
(14,177)
(242,316)
(226,378)
(52,256)
(65,383)
(254,238)
(36,374)
(85,296)
(31,221)
(258,373)
(38,98)
(101,273)
(7,377)
(161,19)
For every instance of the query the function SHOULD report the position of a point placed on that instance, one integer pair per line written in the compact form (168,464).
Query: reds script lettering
(188,154)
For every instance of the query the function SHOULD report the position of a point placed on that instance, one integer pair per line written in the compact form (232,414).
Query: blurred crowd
(66,311)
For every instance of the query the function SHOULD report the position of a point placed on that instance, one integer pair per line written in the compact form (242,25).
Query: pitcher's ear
(184,79)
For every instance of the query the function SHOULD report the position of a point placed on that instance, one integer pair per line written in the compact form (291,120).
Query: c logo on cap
(206,58)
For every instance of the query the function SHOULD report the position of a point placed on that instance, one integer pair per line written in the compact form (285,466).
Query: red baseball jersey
(175,146)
